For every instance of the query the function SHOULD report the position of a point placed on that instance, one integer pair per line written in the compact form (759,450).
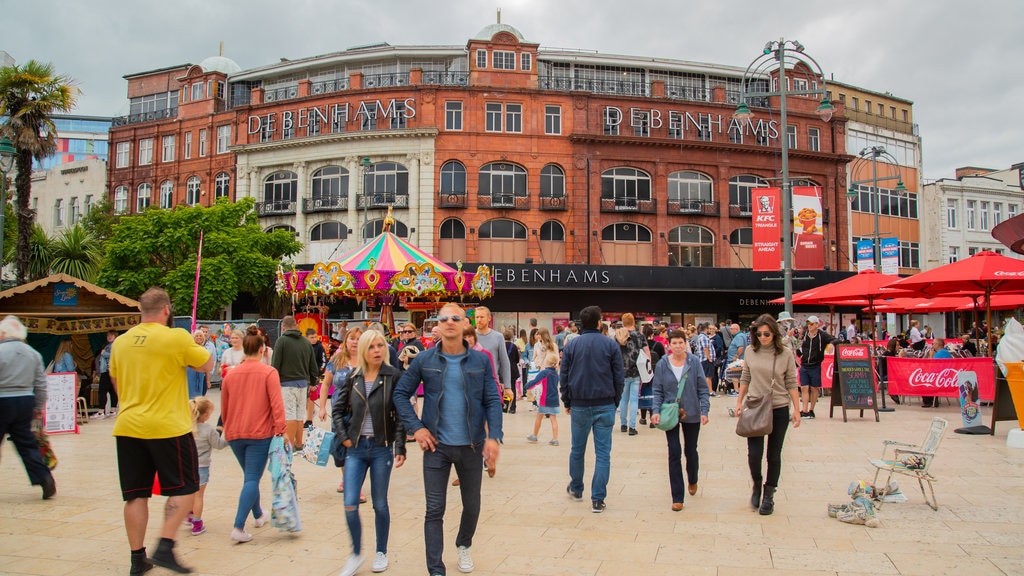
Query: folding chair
(914,460)
(82,408)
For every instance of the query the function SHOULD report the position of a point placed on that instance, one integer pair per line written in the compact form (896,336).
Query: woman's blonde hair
(340,358)
(545,338)
(365,340)
(199,406)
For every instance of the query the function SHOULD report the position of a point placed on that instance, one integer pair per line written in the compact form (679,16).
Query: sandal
(341,488)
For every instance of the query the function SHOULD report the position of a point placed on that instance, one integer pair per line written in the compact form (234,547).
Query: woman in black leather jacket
(368,426)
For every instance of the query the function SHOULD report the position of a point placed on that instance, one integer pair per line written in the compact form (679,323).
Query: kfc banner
(938,377)
(809,246)
(766,230)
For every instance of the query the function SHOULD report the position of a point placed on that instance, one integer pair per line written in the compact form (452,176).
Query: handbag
(317,448)
(284,511)
(45,450)
(756,417)
(670,413)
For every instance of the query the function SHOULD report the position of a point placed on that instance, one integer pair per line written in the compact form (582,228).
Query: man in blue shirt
(460,425)
(737,346)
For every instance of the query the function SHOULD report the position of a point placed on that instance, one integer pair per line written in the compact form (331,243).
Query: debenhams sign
(550,276)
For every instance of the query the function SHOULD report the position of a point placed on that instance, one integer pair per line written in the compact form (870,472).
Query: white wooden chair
(913,460)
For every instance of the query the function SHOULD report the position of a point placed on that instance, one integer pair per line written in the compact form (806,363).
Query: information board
(853,371)
(61,393)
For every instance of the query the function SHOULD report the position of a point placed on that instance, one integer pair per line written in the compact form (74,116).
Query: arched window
(739,193)
(279,191)
(142,199)
(625,189)
(741,237)
(329,186)
(626,243)
(691,245)
(552,182)
(121,199)
(222,185)
(552,242)
(385,184)
(688,186)
(803,182)
(502,240)
(166,194)
(451,245)
(328,231)
(453,178)
(192,191)
(374,228)
(281,227)
(501,183)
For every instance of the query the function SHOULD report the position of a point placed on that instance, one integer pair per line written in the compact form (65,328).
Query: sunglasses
(453,318)
(764,334)
(407,331)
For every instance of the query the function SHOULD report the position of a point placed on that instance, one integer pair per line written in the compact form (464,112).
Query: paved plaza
(529,526)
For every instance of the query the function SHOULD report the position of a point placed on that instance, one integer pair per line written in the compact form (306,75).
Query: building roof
(490,30)
(220,64)
(36,299)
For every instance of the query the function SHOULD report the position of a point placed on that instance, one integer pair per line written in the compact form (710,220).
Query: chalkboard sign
(854,371)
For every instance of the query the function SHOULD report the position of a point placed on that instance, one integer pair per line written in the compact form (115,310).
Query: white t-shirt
(915,335)
(851,331)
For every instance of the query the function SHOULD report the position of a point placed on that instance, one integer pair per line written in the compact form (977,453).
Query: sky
(955,60)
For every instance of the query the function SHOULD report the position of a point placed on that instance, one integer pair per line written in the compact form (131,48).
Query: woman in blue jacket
(682,368)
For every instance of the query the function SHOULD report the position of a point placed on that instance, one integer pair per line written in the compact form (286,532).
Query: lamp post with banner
(874,153)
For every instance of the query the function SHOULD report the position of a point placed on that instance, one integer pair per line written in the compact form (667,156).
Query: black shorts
(174,460)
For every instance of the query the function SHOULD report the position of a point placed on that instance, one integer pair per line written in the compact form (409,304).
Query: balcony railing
(740,210)
(554,202)
(385,80)
(279,207)
(621,204)
(503,202)
(687,93)
(699,207)
(452,199)
(325,204)
(382,200)
(439,78)
(328,86)
(594,85)
(282,93)
(145,117)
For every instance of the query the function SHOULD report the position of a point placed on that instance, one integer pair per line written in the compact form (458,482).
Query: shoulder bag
(756,417)
(670,413)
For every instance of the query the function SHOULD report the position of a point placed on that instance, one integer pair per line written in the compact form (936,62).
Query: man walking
(153,430)
(591,386)
(293,358)
(460,424)
(320,357)
(22,400)
(706,353)
(812,352)
(493,342)
(737,346)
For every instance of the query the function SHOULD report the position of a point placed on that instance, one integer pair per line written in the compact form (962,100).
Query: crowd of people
(447,391)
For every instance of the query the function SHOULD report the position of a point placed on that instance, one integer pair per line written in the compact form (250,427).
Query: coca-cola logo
(1009,273)
(854,352)
(945,378)
(829,371)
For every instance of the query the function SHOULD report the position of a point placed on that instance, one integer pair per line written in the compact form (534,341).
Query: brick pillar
(304,86)
(257,96)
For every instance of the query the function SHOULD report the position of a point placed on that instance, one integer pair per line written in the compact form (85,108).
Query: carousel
(386,272)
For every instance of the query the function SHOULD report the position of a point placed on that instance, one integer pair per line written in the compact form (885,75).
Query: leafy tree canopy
(159,248)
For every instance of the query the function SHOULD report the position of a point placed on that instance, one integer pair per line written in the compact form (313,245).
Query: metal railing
(554,202)
(503,202)
(741,210)
(441,78)
(145,117)
(275,208)
(694,93)
(595,86)
(325,204)
(382,200)
(328,86)
(452,199)
(385,80)
(278,94)
(623,204)
(701,207)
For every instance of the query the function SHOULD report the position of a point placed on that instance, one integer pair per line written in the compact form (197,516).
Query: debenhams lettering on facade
(549,277)
(313,118)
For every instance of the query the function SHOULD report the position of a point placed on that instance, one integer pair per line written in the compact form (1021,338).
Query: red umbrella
(868,285)
(984,273)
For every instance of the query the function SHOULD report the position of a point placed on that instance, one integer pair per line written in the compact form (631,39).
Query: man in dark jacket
(296,365)
(592,379)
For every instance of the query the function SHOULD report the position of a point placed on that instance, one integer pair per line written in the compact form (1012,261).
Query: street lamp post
(874,153)
(7,154)
(774,57)
(364,165)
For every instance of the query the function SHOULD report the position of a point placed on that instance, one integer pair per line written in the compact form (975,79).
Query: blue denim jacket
(483,403)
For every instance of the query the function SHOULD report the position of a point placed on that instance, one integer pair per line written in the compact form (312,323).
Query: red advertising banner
(766,233)
(938,377)
(809,245)
(827,367)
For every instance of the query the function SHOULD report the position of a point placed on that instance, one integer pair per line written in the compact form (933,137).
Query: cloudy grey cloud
(957,61)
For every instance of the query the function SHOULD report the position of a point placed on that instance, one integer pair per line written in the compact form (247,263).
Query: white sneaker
(380,562)
(352,565)
(240,535)
(465,560)
(262,520)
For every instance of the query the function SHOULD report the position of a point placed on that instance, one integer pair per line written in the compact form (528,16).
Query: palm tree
(29,96)
(40,254)
(75,252)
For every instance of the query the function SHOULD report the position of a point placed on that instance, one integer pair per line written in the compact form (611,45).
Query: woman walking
(681,368)
(375,439)
(253,413)
(338,367)
(769,369)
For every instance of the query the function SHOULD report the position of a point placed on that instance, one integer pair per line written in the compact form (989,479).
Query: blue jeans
(630,402)
(378,460)
(600,420)
(437,466)
(252,455)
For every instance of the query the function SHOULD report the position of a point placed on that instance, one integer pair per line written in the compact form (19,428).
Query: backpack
(654,346)
(630,351)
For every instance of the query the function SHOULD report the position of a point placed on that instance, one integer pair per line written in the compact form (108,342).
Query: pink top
(250,402)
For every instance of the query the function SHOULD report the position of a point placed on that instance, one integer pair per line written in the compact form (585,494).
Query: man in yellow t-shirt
(154,426)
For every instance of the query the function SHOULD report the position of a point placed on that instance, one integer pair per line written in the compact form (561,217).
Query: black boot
(755,496)
(768,503)
(140,564)
(164,557)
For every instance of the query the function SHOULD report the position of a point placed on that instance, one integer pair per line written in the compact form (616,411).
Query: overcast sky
(959,62)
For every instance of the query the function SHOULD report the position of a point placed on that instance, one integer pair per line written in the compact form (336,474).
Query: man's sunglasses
(453,318)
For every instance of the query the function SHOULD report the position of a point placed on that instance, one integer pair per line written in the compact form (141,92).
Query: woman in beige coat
(769,368)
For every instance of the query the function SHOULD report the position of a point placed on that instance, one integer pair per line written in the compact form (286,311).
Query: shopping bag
(317,448)
(45,450)
(284,510)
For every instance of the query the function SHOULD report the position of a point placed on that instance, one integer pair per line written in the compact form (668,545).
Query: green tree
(29,96)
(100,220)
(40,254)
(75,252)
(159,248)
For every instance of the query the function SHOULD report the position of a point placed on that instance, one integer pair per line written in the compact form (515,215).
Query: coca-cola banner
(828,364)
(767,226)
(938,377)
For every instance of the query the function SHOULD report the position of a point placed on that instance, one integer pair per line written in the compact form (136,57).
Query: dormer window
(481,58)
(504,60)
(526,61)
(197,91)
